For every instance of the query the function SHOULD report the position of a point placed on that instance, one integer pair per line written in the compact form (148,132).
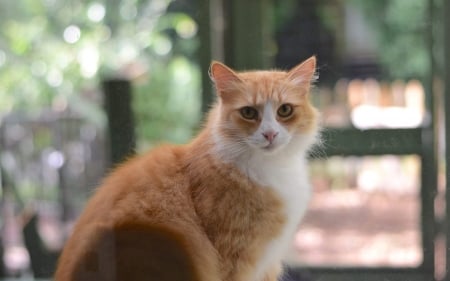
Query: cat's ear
(223,77)
(304,73)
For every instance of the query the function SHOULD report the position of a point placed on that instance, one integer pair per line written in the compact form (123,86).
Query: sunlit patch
(186,28)
(162,45)
(96,12)
(72,34)
(88,58)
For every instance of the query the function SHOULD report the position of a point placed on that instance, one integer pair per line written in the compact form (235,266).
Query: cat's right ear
(223,77)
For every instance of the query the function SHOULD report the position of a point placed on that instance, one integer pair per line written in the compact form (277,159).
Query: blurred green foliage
(53,54)
(402,31)
(399,30)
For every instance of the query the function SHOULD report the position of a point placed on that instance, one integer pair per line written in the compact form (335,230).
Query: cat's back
(142,207)
(139,186)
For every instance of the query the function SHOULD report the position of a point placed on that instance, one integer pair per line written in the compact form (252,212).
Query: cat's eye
(285,110)
(249,113)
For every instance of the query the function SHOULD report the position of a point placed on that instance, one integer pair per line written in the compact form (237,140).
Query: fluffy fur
(221,208)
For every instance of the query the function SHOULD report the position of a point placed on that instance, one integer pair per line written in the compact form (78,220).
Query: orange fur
(183,212)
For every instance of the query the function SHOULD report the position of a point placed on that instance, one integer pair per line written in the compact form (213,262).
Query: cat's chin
(271,149)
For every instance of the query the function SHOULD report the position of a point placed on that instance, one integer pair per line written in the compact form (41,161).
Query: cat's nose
(270,135)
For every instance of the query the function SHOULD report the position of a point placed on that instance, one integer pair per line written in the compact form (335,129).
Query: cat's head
(264,110)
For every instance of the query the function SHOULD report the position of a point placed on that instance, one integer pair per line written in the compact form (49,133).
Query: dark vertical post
(2,264)
(204,52)
(117,98)
(446,24)
(429,157)
(249,34)
(2,218)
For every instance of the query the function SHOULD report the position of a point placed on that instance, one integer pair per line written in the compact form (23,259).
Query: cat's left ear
(304,73)
(223,77)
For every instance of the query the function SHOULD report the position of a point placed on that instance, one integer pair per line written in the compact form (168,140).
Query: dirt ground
(355,228)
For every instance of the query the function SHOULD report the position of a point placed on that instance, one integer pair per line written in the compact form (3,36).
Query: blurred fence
(49,165)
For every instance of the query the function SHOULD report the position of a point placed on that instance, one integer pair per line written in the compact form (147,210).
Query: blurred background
(85,83)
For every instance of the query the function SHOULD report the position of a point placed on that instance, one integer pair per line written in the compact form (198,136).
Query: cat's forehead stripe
(258,92)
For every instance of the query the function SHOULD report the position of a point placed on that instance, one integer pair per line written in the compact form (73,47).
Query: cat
(223,207)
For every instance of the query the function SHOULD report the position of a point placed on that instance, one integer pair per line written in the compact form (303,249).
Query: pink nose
(270,135)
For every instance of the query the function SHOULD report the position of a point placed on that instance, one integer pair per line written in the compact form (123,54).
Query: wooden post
(205,53)
(244,44)
(446,30)
(117,98)
(249,34)
(429,157)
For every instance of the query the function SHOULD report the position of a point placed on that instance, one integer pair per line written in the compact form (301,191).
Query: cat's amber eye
(249,113)
(285,110)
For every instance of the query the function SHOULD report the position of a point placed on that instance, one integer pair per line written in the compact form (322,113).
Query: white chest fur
(288,177)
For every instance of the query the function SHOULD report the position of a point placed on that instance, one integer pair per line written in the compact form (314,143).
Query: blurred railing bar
(117,103)
(355,142)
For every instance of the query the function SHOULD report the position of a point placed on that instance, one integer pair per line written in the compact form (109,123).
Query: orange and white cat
(224,207)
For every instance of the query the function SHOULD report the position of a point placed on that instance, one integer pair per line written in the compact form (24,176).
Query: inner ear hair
(303,72)
(223,77)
